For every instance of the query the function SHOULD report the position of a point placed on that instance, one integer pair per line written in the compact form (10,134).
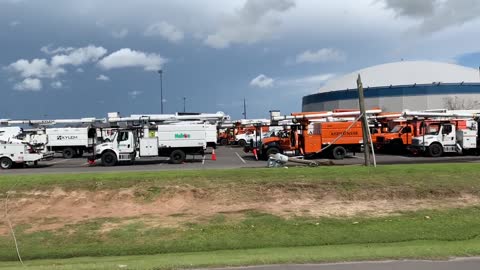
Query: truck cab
(120,147)
(437,139)
(396,139)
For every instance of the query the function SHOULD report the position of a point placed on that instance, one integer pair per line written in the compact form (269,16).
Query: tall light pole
(184,102)
(161,90)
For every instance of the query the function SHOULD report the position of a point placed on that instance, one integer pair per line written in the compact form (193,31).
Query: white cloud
(308,80)
(48,49)
(255,21)
(126,57)
(323,55)
(134,94)
(29,84)
(166,31)
(56,84)
(14,23)
(436,15)
(262,81)
(102,77)
(36,68)
(122,33)
(79,56)
(412,8)
(80,70)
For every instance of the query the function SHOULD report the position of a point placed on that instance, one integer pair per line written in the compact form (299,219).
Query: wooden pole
(363,119)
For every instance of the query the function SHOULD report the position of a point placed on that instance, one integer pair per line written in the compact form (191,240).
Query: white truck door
(125,142)
(448,135)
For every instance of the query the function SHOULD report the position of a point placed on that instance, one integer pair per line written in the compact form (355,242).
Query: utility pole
(184,102)
(244,109)
(161,90)
(365,131)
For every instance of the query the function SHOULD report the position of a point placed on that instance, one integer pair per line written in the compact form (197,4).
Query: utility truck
(20,153)
(173,141)
(456,136)
(70,141)
(451,133)
(312,134)
(149,136)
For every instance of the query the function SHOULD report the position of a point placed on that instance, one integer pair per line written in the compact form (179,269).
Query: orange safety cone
(255,153)
(214,156)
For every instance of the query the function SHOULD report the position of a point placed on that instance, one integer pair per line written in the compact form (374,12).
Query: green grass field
(421,178)
(256,237)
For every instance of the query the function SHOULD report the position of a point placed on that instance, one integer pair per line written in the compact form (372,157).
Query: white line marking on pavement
(243,160)
(57,162)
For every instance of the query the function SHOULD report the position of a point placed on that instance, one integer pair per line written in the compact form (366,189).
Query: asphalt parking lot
(228,157)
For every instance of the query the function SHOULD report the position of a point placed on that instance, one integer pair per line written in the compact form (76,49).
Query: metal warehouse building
(413,85)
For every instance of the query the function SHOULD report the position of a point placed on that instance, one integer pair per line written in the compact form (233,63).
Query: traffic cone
(255,153)
(214,156)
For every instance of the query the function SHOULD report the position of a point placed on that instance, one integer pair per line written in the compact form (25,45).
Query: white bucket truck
(448,137)
(150,138)
(447,132)
(20,153)
(71,141)
(173,141)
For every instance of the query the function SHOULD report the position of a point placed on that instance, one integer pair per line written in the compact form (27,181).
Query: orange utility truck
(331,134)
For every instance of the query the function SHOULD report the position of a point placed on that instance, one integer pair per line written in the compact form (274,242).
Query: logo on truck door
(182,136)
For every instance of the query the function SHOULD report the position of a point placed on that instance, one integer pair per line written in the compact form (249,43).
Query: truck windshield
(396,129)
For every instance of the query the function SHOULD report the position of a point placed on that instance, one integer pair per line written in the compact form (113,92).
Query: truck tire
(69,153)
(177,157)
(242,143)
(272,151)
(109,158)
(435,150)
(6,163)
(224,142)
(339,152)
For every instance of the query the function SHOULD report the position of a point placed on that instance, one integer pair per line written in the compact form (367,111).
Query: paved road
(455,264)
(227,157)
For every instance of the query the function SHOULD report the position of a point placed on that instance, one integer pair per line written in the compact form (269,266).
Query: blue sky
(65,58)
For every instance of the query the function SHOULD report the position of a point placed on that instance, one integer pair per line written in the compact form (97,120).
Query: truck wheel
(109,159)
(6,163)
(339,152)
(435,150)
(69,153)
(397,147)
(224,142)
(272,151)
(242,143)
(177,157)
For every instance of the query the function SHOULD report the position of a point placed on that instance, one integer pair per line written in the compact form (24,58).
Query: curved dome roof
(405,73)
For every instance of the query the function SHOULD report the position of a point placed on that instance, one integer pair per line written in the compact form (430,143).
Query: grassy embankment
(258,237)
